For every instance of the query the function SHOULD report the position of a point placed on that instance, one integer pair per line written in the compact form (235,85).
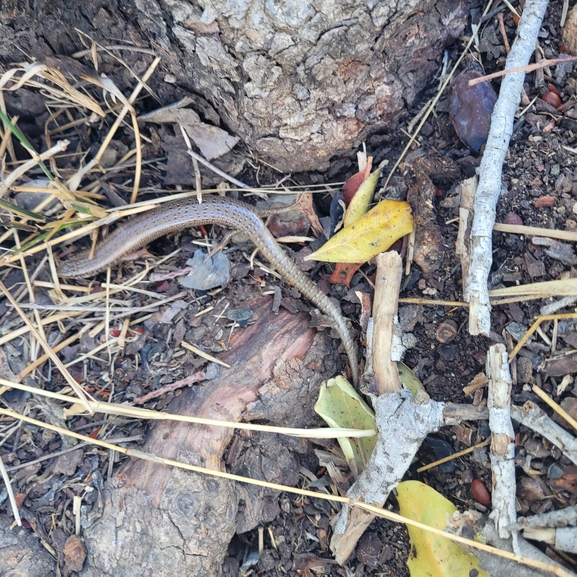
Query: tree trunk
(299,82)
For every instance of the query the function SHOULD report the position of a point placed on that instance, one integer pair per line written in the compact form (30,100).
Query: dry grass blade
(439,303)
(121,115)
(107,84)
(147,414)
(25,329)
(108,49)
(65,343)
(96,47)
(435,99)
(10,492)
(75,386)
(546,289)
(21,170)
(454,456)
(202,354)
(52,75)
(22,212)
(113,216)
(559,410)
(303,492)
(535,326)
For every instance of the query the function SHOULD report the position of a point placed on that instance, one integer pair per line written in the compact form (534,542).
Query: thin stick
(502,443)
(385,305)
(490,177)
(453,456)
(525,69)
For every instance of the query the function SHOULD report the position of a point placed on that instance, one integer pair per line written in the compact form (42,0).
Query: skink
(183,213)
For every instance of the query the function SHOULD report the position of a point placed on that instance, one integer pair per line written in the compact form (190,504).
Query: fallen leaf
(360,202)
(207,272)
(305,202)
(433,555)
(354,182)
(341,406)
(409,380)
(212,141)
(343,273)
(173,113)
(372,234)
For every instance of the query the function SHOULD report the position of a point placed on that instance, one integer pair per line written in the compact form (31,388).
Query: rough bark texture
(21,553)
(166,522)
(300,82)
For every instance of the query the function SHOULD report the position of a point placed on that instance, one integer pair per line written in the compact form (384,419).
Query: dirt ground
(540,189)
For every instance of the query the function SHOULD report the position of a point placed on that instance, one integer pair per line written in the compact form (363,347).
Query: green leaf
(432,555)
(342,407)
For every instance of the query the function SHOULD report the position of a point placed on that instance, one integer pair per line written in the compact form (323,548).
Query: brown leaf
(343,273)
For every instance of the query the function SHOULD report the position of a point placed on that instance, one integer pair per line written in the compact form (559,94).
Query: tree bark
(299,82)
(174,522)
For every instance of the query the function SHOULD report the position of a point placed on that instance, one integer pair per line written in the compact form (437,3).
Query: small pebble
(470,107)
(513,218)
(480,492)
(545,201)
(552,99)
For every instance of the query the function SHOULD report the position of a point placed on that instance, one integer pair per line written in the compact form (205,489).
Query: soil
(540,189)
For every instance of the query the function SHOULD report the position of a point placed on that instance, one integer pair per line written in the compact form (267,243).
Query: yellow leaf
(360,202)
(372,234)
(432,555)
(340,406)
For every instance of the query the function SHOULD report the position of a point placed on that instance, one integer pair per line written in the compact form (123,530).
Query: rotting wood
(195,516)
